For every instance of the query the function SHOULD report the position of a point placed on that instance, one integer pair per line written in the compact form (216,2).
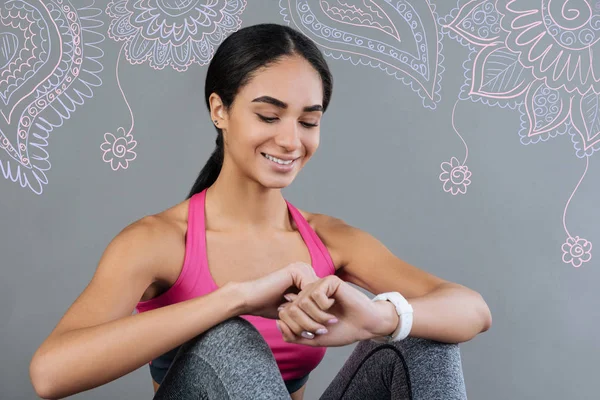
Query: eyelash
(271,120)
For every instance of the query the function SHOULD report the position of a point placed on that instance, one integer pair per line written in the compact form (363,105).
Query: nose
(288,137)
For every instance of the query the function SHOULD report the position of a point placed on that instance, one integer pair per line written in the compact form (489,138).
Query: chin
(276,183)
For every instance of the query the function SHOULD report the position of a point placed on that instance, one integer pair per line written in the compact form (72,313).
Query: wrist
(389,318)
(235,296)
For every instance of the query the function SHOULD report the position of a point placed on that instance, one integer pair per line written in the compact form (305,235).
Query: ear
(218,112)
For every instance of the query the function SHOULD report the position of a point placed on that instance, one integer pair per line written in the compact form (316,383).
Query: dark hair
(235,62)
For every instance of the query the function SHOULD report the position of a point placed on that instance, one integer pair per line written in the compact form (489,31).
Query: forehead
(292,80)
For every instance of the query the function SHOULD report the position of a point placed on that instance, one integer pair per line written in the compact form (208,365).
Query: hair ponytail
(210,172)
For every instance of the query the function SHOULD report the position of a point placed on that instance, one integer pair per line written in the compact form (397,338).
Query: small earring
(216,122)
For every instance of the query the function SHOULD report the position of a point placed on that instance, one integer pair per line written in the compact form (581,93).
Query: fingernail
(307,335)
(333,321)
(277,325)
(280,308)
(321,331)
(287,297)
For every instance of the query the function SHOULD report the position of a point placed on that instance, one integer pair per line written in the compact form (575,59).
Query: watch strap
(405,316)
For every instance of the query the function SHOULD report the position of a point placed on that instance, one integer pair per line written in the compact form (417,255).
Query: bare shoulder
(164,236)
(333,232)
(141,254)
(167,225)
(154,242)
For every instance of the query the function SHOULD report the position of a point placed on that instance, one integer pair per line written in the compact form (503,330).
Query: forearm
(86,358)
(452,314)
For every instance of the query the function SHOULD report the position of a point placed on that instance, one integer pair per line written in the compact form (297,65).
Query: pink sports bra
(294,361)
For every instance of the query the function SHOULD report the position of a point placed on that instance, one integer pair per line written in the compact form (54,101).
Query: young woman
(209,275)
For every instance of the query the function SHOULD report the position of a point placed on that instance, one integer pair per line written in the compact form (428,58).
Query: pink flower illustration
(456,177)
(576,251)
(118,150)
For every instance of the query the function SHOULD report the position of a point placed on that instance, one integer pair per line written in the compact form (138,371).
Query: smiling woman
(266,94)
(265,131)
(238,292)
(285,163)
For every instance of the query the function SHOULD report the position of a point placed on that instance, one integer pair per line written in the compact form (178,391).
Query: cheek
(311,143)
(245,137)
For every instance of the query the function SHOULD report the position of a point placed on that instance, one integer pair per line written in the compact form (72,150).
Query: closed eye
(271,120)
(266,119)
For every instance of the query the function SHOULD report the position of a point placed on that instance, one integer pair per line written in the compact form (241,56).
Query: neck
(233,205)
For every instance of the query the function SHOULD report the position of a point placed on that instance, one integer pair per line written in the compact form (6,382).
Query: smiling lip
(281,167)
(281,158)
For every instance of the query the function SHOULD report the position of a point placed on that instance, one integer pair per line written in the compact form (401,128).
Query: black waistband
(295,384)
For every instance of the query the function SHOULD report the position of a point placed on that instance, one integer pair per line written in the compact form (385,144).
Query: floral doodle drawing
(539,58)
(576,250)
(49,65)
(399,37)
(118,149)
(175,33)
(455,174)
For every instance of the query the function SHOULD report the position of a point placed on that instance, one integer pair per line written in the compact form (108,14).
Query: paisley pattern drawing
(49,66)
(174,33)
(164,33)
(399,37)
(541,59)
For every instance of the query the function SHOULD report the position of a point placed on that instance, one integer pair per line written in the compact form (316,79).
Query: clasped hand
(329,312)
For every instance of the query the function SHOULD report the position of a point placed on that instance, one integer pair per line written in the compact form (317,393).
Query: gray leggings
(233,361)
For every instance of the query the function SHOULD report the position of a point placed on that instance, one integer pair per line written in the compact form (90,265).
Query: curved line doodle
(118,149)
(455,174)
(539,60)
(399,37)
(48,70)
(576,250)
(175,33)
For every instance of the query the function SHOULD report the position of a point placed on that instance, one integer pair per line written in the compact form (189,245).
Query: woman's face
(272,128)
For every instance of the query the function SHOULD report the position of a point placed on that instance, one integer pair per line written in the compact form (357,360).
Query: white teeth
(277,160)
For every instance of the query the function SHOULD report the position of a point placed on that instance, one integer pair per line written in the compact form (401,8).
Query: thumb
(302,274)
(330,285)
(319,297)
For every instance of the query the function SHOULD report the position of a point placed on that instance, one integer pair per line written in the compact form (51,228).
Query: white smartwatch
(405,315)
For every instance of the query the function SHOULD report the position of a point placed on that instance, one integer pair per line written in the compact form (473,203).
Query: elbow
(40,378)
(485,315)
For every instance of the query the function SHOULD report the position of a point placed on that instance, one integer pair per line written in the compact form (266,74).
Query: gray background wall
(385,138)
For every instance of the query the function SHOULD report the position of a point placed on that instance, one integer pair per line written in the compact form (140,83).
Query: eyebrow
(281,104)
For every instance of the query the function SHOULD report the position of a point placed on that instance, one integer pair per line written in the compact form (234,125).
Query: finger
(321,303)
(320,298)
(292,324)
(283,305)
(290,337)
(322,291)
(298,321)
(330,284)
(290,296)
(323,318)
(286,332)
(317,294)
(312,309)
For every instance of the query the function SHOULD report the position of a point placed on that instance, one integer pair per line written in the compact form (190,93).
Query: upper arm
(129,264)
(366,262)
